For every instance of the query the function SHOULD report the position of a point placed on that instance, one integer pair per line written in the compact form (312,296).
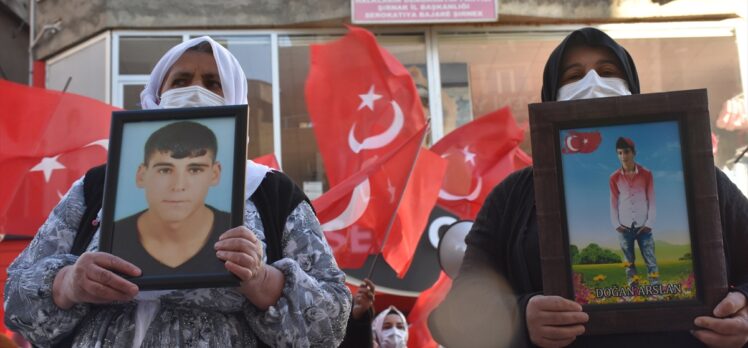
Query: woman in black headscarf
(503,243)
(588,38)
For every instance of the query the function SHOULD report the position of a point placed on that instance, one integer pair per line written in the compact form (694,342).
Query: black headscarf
(585,37)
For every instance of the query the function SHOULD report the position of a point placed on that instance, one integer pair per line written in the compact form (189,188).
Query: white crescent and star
(378,140)
(368,99)
(355,209)
(362,192)
(469,158)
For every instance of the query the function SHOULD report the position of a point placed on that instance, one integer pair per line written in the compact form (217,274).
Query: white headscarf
(376,325)
(234,84)
(233,80)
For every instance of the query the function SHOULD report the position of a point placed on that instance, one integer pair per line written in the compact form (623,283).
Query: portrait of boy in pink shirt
(632,210)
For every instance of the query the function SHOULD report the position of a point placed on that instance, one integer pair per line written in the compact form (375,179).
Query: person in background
(390,329)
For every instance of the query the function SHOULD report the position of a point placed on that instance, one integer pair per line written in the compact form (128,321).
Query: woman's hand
(363,299)
(92,279)
(260,283)
(242,251)
(554,321)
(728,327)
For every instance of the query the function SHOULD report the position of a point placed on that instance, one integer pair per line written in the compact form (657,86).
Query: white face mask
(393,338)
(593,86)
(191,96)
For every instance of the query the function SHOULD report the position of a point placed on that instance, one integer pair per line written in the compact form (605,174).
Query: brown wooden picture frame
(690,109)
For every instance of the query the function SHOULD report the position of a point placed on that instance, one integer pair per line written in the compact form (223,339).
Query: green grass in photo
(614,274)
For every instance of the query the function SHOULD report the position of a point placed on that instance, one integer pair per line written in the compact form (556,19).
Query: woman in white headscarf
(390,329)
(291,293)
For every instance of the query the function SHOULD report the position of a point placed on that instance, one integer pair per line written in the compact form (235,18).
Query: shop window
(254,55)
(481,73)
(138,54)
(131,96)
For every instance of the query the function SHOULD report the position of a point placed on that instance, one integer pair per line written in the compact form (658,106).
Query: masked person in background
(299,299)
(503,242)
(390,329)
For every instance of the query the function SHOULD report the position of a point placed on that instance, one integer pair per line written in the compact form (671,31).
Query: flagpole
(399,200)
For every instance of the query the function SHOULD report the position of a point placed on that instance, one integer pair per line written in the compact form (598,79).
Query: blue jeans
(646,246)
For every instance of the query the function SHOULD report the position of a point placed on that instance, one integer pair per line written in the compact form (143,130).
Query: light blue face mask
(593,86)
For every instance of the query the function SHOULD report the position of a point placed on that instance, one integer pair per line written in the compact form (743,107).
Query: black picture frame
(689,110)
(129,130)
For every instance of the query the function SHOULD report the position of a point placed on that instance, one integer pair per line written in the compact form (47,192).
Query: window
(138,54)
(254,55)
(483,72)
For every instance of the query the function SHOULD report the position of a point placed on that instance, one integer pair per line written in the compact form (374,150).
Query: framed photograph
(627,209)
(174,184)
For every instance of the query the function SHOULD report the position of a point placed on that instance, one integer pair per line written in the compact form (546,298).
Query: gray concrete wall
(14,43)
(82,19)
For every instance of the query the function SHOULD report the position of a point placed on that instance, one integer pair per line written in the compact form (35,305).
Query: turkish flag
(419,334)
(581,142)
(48,139)
(356,213)
(362,103)
(268,160)
(480,154)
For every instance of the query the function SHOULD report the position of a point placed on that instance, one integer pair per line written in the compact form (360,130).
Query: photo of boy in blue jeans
(632,210)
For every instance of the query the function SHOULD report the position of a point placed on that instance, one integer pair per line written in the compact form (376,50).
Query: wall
(81,19)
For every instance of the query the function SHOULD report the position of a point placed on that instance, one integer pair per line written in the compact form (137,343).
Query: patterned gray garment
(312,311)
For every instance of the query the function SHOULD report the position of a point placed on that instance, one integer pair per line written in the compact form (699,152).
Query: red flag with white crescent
(364,107)
(581,142)
(362,102)
(48,139)
(355,214)
(479,154)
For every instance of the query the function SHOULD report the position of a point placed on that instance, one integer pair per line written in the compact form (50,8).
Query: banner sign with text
(423,11)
